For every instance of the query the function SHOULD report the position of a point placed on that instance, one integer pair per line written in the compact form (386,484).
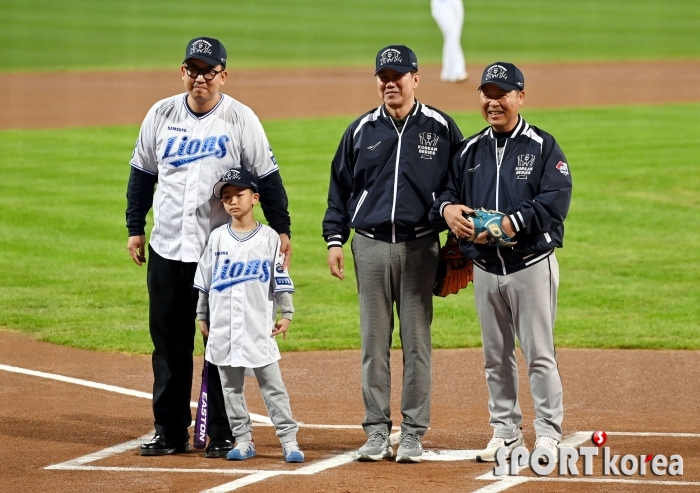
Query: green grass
(49,35)
(629,268)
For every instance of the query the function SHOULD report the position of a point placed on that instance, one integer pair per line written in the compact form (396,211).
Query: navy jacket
(532,185)
(384,181)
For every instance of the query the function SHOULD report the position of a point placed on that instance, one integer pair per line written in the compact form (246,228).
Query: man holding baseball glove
(507,197)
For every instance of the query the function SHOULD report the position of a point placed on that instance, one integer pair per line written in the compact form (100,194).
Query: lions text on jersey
(241,277)
(189,154)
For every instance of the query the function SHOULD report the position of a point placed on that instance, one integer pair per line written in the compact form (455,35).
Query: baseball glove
(454,271)
(492,223)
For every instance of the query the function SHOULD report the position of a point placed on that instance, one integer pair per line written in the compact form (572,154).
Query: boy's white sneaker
(292,452)
(242,451)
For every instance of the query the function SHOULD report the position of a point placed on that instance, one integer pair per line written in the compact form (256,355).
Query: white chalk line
(253,475)
(502,483)
(258,419)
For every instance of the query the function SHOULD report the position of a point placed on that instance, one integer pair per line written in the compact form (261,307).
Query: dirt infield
(116,98)
(73,435)
(48,423)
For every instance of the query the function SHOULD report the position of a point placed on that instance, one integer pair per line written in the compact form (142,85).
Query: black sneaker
(218,447)
(159,445)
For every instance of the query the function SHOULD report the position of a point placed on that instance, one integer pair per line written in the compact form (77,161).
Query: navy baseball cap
(208,50)
(505,75)
(397,57)
(240,177)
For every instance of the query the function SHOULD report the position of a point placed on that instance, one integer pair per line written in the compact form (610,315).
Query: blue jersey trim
(187,107)
(233,233)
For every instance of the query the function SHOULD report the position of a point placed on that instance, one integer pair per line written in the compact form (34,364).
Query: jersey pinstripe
(241,277)
(189,154)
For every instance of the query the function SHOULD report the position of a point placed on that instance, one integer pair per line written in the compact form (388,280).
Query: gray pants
(274,394)
(522,304)
(400,273)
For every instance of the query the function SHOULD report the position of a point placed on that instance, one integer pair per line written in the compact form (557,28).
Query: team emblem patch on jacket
(428,145)
(524,167)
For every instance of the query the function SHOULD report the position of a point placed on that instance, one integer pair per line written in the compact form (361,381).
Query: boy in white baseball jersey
(242,282)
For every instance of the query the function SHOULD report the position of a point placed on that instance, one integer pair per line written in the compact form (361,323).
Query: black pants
(173,305)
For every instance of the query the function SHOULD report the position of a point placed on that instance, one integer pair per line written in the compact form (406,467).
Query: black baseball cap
(208,50)
(505,75)
(239,177)
(397,57)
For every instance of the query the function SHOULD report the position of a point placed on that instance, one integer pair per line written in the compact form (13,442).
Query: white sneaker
(489,453)
(242,451)
(548,443)
(292,452)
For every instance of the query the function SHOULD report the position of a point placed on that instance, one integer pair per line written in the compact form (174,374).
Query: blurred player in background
(449,15)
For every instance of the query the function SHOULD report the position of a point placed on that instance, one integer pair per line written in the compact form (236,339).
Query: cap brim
(402,69)
(503,85)
(211,61)
(239,184)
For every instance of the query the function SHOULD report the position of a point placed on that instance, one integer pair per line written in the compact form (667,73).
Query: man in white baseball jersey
(449,15)
(186,143)
(242,281)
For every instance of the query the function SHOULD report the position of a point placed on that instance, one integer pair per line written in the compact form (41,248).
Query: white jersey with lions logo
(241,277)
(190,153)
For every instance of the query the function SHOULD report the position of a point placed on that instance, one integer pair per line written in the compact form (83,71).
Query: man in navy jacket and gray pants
(519,170)
(391,164)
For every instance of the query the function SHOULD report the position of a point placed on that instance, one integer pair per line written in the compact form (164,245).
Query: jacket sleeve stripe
(515,223)
(369,118)
(470,143)
(530,133)
(442,207)
(433,114)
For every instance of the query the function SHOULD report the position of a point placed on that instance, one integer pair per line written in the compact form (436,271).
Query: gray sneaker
(410,449)
(378,447)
